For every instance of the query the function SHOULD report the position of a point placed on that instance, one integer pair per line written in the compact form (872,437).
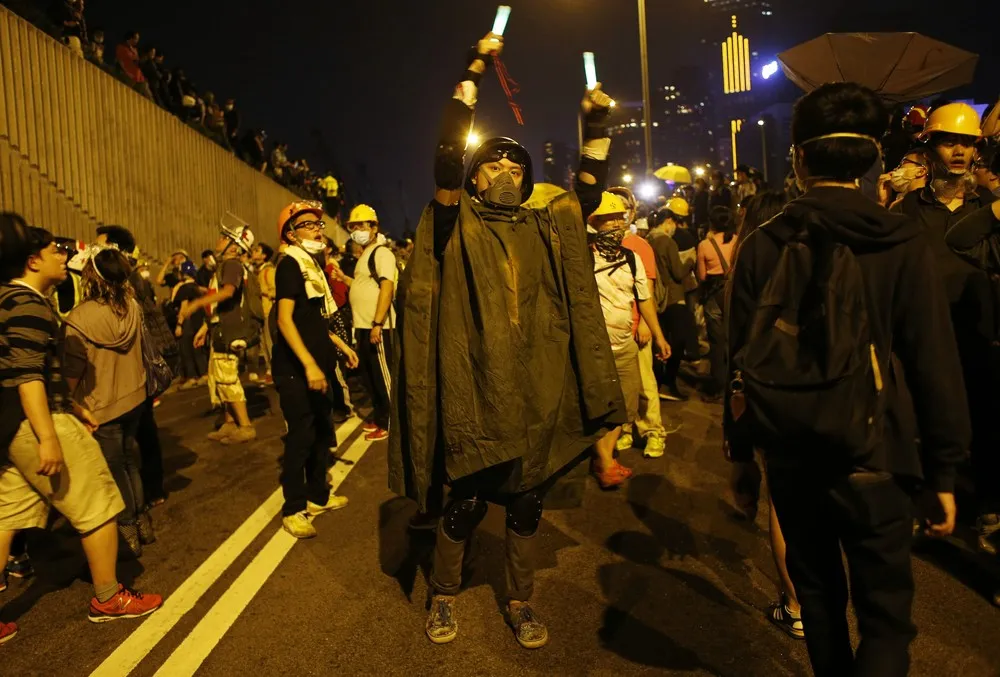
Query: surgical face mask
(144,274)
(902,177)
(503,192)
(312,246)
(362,237)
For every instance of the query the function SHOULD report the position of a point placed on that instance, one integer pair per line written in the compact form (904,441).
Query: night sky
(370,76)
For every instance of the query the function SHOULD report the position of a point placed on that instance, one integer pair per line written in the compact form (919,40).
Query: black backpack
(809,375)
(245,323)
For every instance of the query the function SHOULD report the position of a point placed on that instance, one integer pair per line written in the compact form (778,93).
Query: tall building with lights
(557,165)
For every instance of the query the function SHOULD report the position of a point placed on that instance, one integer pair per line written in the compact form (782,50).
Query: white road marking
(192,652)
(144,639)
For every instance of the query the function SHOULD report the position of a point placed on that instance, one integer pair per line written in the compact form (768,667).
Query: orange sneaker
(377,435)
(126,603)
(369,426)
(7,632)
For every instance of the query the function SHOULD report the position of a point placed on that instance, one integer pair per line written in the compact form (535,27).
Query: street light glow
(647,191)
(626,178)
(769,69)
(699,171)
(760,123)
(473,140)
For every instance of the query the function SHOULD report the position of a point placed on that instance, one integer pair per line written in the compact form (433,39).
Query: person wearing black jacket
(867,512)
(506,375)
(952,195)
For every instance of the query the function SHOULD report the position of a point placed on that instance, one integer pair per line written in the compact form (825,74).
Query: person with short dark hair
(720,196)
(836,502)
(46,435)
(207,269)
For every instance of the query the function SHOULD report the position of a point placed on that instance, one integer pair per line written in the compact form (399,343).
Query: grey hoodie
(104,352)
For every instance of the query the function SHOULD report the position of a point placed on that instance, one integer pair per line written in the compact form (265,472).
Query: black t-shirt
(685,239)
(189,292)
(308,319)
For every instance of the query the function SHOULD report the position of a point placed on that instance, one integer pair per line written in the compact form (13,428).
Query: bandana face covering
(608,243)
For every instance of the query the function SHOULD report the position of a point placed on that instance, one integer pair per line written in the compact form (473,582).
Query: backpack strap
(630,259)
(722,258)
(371,265)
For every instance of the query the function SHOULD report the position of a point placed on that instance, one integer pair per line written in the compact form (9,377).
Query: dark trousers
(870,517)
(148,438)
(194,361)
(118,444)
(677,324)
(307,445)
(717,346)
(519,551)
(375,370)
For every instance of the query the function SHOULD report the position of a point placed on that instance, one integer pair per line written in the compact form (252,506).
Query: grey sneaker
(529,630)
(129,532)
(146,534)
(441,625)
(987,525)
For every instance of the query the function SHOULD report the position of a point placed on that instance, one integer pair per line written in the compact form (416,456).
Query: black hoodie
(910,312)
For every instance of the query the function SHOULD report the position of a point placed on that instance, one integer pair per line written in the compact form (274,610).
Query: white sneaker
(624,442)
(298,525)
(333,503)
(655,446)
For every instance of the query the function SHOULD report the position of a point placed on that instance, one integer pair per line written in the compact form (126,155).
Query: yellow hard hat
(610,204)
(678,206)
(953,118)
(361,214)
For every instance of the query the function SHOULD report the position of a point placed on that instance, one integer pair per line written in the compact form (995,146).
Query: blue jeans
(118,444)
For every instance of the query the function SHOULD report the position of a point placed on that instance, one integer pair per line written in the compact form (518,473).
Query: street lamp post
(763,146)
(646,111)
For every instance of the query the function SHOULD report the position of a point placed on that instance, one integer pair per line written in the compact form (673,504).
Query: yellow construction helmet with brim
(362,214)
(678,206)
(610,204)
(953,118)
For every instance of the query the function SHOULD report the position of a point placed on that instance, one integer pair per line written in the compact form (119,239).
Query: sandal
(612,477)
(779,614)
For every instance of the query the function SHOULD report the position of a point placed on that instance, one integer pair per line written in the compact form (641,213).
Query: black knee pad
(462,517)
(524,513)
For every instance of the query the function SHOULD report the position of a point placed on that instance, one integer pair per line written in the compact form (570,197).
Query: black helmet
(496,149)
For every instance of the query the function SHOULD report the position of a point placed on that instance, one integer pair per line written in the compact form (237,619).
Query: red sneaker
(7,632)
(125,604)
(369,426)
(377,434)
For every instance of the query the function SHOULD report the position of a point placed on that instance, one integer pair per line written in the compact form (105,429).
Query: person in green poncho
(505,375)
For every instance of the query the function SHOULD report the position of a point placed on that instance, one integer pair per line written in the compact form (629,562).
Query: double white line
(200,642)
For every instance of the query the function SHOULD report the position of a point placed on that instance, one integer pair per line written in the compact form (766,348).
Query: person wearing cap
(621,281)
(372,289)
(745,187)
(506,375)
(229,334)
(304,367)
(835,503)
(952,194)
(675,316)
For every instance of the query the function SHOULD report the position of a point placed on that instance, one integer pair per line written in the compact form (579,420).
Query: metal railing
(79,149)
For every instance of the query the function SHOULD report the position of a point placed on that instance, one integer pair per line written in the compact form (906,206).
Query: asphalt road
(660,577)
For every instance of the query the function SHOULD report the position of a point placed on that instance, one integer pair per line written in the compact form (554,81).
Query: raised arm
(592,178)
(449,158)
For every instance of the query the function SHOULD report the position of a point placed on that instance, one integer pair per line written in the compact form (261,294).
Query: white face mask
(144,274)
(312,246)
(901,177)
(362,237)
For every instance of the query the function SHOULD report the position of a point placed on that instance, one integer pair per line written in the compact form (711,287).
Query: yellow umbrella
(543,194)
(674,173)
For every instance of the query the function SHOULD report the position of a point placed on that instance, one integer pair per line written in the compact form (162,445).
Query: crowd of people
(846,327)
(143,67)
